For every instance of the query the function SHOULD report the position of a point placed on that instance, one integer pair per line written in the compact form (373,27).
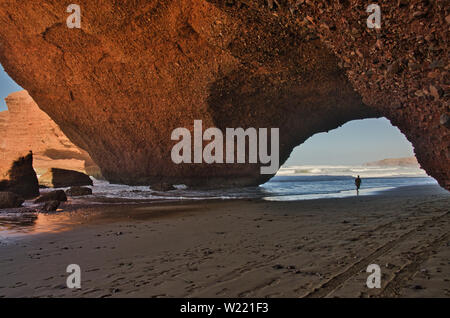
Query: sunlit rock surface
(136,70)
(24,127)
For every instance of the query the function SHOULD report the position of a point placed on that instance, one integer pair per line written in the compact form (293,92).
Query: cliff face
(395,162)
(25,127)
(20,178)
(135,71)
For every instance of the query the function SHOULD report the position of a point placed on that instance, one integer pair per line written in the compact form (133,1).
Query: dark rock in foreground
(58,195)
(162,187)
(78,191)
(51,206)
(10,200)
(61,178)
(51,148)
(21,178)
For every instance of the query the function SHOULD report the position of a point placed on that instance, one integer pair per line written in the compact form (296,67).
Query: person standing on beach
(358,184)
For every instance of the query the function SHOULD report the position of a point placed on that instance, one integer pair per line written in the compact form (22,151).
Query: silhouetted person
(358,184)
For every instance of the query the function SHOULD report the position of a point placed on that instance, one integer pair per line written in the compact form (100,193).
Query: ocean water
(290,183)
(315,182)
(286,188)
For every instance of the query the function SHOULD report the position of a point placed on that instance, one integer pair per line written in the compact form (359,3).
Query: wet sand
(241,248)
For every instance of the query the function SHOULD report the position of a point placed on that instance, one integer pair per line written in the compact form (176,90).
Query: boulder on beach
(162,187)
(51,206)
(78,191)
(395,162)
(10,200)
(58,195)
(21,178)
(61,178)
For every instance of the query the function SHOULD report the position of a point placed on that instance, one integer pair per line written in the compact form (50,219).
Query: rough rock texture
(78,191)
(61,178)
(395,162)
(51,206)
(58,195)
(25,127)
(21,178)
(10,200)
(136,70)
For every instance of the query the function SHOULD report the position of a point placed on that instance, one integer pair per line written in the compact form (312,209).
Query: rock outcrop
(135,71)
(58,195)
(21,178)
(51,206)
(24,126)
(78,191)
(10,200)
(61,178)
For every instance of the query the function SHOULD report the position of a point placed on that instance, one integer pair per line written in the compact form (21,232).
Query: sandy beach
(236,248)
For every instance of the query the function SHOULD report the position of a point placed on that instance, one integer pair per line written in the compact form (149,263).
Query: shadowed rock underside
(136,70)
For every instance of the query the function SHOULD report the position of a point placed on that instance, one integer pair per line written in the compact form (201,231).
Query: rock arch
(136,70)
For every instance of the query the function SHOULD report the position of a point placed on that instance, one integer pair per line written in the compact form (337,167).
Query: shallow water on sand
(113,203)
(280,187)
(16,225)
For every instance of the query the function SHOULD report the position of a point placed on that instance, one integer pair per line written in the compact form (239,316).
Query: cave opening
(327,164)
(355,143)
(7,86)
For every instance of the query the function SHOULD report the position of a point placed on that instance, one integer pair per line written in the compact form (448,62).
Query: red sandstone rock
(21,178)
(135,71)
(25,127)
(61,178)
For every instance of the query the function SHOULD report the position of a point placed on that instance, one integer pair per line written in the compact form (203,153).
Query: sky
(354,143)
(7,86)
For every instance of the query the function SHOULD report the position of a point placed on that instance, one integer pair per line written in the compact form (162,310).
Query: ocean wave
(353,171)
(299,182)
